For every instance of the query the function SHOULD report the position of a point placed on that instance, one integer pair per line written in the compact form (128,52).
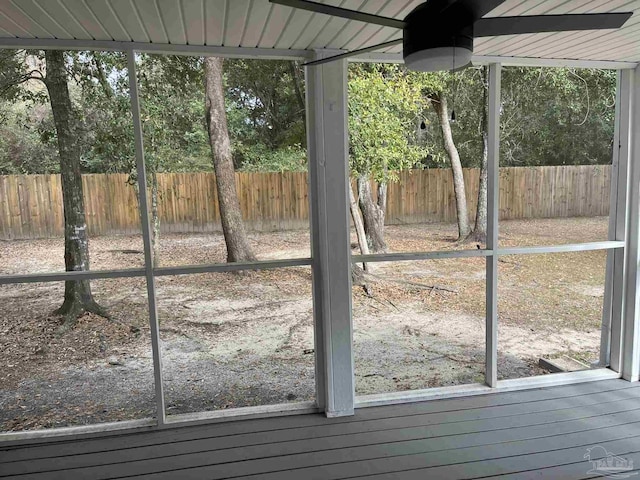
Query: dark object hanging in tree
(453,116)
(435,28)
(423,126)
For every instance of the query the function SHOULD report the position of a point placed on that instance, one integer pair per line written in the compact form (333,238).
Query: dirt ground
(238,340)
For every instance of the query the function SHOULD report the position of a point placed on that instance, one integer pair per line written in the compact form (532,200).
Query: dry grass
(253,331)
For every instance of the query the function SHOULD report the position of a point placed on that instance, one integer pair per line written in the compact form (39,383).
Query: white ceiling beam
(169,49)
(287,54)
(552,62)
(510,61)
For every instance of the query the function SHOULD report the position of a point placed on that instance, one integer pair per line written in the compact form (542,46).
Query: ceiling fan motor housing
(438,34)
(438,41)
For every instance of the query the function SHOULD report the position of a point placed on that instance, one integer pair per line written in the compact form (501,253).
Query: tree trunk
(235,237)
(439,103)
(372,216)
(357,222)
(155,219)
(77,294)
(480,229)
(297,84)
(382,198)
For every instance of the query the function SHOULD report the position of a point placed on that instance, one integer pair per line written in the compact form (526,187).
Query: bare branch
(586,88)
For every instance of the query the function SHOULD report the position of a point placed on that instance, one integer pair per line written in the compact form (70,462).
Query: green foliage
(463,91)
(23,145)
(172,111)
(266,114)
(555,116)
(384,108)
(100,78)
(549,116)
(266,102)
(258,158)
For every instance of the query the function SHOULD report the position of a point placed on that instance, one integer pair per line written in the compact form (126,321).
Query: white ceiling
(257,23)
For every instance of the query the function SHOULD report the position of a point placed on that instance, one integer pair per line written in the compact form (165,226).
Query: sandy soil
(236,340)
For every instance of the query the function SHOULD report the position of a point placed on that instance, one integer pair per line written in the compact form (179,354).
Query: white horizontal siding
(83,15)
(61,15)
(35,10)
(279,19)
(173,21)
(353,30)
(5,33)
(236,22)
(257,17)
(566,40)
(377,34)
(192,12)
(19,24)
(335,24)
(105,14)
(130,20)
(150,15)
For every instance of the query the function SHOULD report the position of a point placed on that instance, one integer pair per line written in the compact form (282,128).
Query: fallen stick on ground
(412,284)
(502,260)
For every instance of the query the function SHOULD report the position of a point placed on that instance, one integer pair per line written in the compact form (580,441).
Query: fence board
(31,205)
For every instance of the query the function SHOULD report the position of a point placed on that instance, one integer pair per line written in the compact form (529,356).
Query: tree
(238,249)
(19,68)
(479,233)
(173,126)
(436,87)
(266,114)
(358,224)
(439,103)
(77,294)
(549,117)
(557,116)
(383,106)
(22,147)
(25,115)
(172,113)
(269,100)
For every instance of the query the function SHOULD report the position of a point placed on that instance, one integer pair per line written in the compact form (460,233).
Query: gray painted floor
(548,433)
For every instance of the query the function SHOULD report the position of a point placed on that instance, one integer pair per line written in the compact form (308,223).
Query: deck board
(263,448)
(572,471)
(58,447)
(501,434)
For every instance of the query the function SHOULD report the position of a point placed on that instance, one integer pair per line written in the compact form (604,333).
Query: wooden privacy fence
(31,205)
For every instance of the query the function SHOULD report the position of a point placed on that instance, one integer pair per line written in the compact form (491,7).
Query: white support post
(631,324)
(493,211)
(610,341)
(330,235)
(146,237)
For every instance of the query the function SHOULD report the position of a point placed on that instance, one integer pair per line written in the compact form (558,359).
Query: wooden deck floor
(541,433)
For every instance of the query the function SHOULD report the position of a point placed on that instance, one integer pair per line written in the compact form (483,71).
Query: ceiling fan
(438,34)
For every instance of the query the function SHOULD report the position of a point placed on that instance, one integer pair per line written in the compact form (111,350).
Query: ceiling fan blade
(489,27)
(341,12)
(353,53)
